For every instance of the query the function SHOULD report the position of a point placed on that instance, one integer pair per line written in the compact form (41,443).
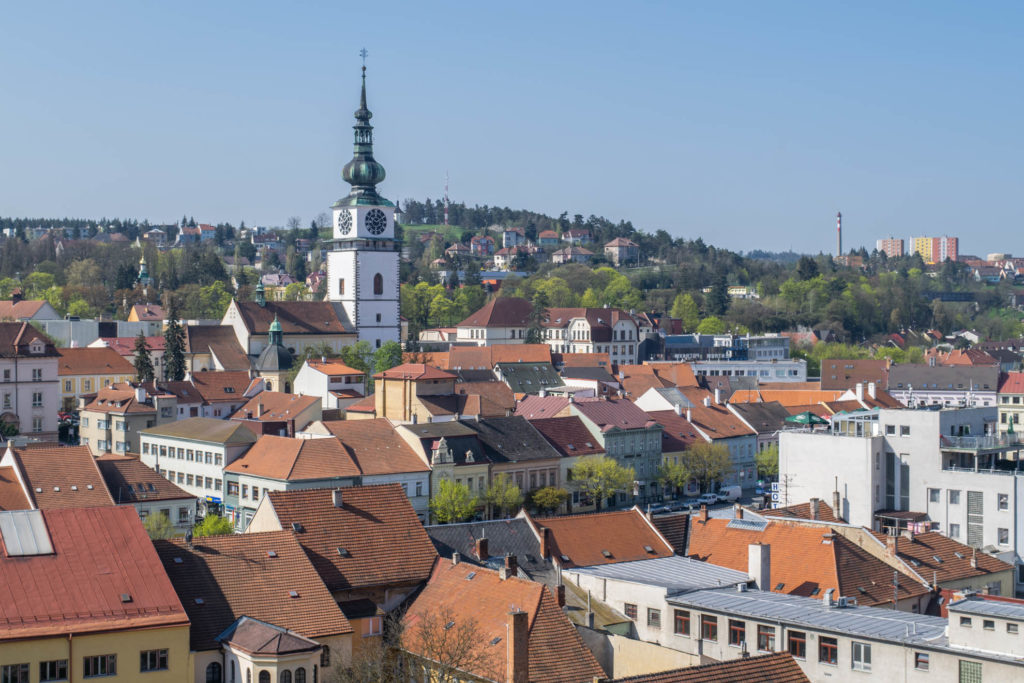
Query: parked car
(679,505)
(658,509)
(729,494)
(708,499)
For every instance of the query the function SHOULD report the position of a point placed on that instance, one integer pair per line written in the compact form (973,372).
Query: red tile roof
(803,511)
(20,310)
(125,346)
(149,312)
(385,542)
(288,459)
(845,374)
(295,317)
(486,357)
(12,496)
(585,538)
(101,555)
(92,361)
(1011,383)
(62,477)
(222,386)
(236,575)
(416,371)
(779,667)
(471,595)
(536,407)
(505,311)
(276,406)
(621,242)
(922,550)
(129,481)
(569,436)
(220,341)
(375,446)
(677,434)
(613,413)
(333,367)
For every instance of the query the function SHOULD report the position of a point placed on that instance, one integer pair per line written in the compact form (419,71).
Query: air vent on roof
(178,560)
(56,488)
(199,601)
(606,553)
(38,490)
(150,487)
(815,591)
(89,486)
(126,597)
(565,558)
(590,445)
(648,548)
(297,527)
(863,590)
(450,624)
(571,447)
(271,553)
(779,586)
(937,559)
(343,552)
(293,594)
(74,488)
(748,524)
(916,563)
(469,576)
(495,641)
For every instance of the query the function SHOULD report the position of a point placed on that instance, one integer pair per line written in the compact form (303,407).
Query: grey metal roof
(529,378)
(504,536)
(866,622)
(674,396)
(511,439)
(961,377)
(765,418)
(676,573)
(988,608)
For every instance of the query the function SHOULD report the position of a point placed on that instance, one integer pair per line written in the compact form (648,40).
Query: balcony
(989,443)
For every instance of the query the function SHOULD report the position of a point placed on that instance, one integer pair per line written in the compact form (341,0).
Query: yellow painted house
(86,595)
(84,371)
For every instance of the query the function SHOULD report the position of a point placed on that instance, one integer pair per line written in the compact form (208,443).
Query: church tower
(362,261)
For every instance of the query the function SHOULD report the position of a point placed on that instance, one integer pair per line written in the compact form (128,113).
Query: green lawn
(452,233)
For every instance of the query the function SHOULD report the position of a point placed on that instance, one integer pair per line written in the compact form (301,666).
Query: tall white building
(362,261)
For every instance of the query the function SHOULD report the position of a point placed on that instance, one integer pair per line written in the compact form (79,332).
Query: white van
(729,494)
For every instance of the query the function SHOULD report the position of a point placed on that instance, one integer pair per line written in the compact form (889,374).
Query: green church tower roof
(363,172)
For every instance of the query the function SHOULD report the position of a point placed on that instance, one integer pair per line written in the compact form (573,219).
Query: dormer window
(36,347)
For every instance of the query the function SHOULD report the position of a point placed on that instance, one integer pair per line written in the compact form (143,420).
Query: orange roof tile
(333,367)
(922,550)
(288,459)
(221,578)
(92,361)
(585,538)
(414,371)
(375,447)
(129,481)
(12,496)
(385,541)
(62,476)
(787,397)
(276,406)
(100,555)
(779,667)
(221,386)
(803,511)
(486,357)
(466,592)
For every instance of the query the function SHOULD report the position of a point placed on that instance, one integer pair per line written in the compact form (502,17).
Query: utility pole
(446,199)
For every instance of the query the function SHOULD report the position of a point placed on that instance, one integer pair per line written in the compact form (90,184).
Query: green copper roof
(363,172)
(275,326)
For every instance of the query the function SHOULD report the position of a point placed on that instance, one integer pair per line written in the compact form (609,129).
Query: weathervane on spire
(363,53)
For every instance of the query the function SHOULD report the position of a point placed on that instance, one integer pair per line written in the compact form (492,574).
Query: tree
(708,463)
(602,477)
(768,462)
(452,502)
(143,360)
(675,474)
(548,499)
(174,347)
(718,298)
(806,268)
(451,645)
(158,525)
(503,495)
(294,223)
(538,316)
(711,325)
(685,308)
(212,525)
(387,356)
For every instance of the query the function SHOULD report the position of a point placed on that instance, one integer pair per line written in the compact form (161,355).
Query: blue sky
(745,123)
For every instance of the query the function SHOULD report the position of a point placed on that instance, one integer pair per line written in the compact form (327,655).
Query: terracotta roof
(504,311)
(288,459)
(778,667)
(222,386)
(260,638)
(333,367)
(101,556)
(572,360)
(276,406)
(416,371)
(621,242)
(207,429)
(803,511)
(845,374)
(375,446)
(677,434)
(496,393)
(787,397)
(295,317)
(675,529)
(466,592)
(20,310)
(922,550)
(12,495)
(568,435)
(61,477)
(384,541)
(486,357)
(222,578)
(367,404)
(125,346)
(15,339)
(807,559)
(129,481)
(613,413)
(219,340)
(537,407)
(585,538)
(1011,383)
(119,399)
(149,312)
(93,361)
(973,357)
(511,439)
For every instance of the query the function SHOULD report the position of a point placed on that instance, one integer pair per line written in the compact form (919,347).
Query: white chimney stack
(140,394)
(718,396)
(872,389)
(759,563)
(707,402)
(336,497)
(860,391)
(678,407)
(689,415)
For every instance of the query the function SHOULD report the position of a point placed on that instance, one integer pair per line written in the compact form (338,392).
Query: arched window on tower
(378,284)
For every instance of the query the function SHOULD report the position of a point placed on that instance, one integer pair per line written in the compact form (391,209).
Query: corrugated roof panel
(24,533)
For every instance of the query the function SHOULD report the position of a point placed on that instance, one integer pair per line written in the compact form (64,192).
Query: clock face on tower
(376,221)
(344,222)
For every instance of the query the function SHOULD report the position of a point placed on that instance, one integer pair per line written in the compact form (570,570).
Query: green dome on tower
(363,172)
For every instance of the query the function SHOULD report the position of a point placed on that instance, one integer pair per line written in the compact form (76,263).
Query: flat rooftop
(676,573)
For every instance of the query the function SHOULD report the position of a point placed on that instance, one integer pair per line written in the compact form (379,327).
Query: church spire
(363,172)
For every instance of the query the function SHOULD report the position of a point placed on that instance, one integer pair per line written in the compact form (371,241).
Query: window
(100,665)
(630,610)
(255,492)
(798,644)
(682,622)
(300,675)
(954,497)
(7,404)
(965,622)
(737,632)
(921,661)
(37,424)
(325,656)
(653,618)
(183,517)
(341,285)
(153,660)
(264,677)
(285,676)
(709,627)
(1012,628)
(213,673)
(373,626)
(245,490)
(37,399)
(54,670)
(954,531)
(1004,536)
(145,448)
(68,385)
(988,625)
(37,374)
(934,495)
(904,430)
(14,673)
(766,638)
(828,650)
(378,284)
(970,672)
(1003,501)
(861,655)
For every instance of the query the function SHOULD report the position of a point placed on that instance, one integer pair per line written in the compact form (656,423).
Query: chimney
(456,558)
(336,498)
(517,665)
(678,407)
(511,568)
(836,505)
(560,594)
(859,389)
(481,549)
(986,590)
(872,390)
(892,545)
(545,540)
(140,394)
(814,507)
(703,513)
(974,558)
(689,415)
(707,401)
(718,396)
(259,410)
(828,597)
(759,565)
(737,511)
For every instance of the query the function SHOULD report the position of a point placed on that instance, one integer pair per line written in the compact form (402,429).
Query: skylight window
(779,586)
